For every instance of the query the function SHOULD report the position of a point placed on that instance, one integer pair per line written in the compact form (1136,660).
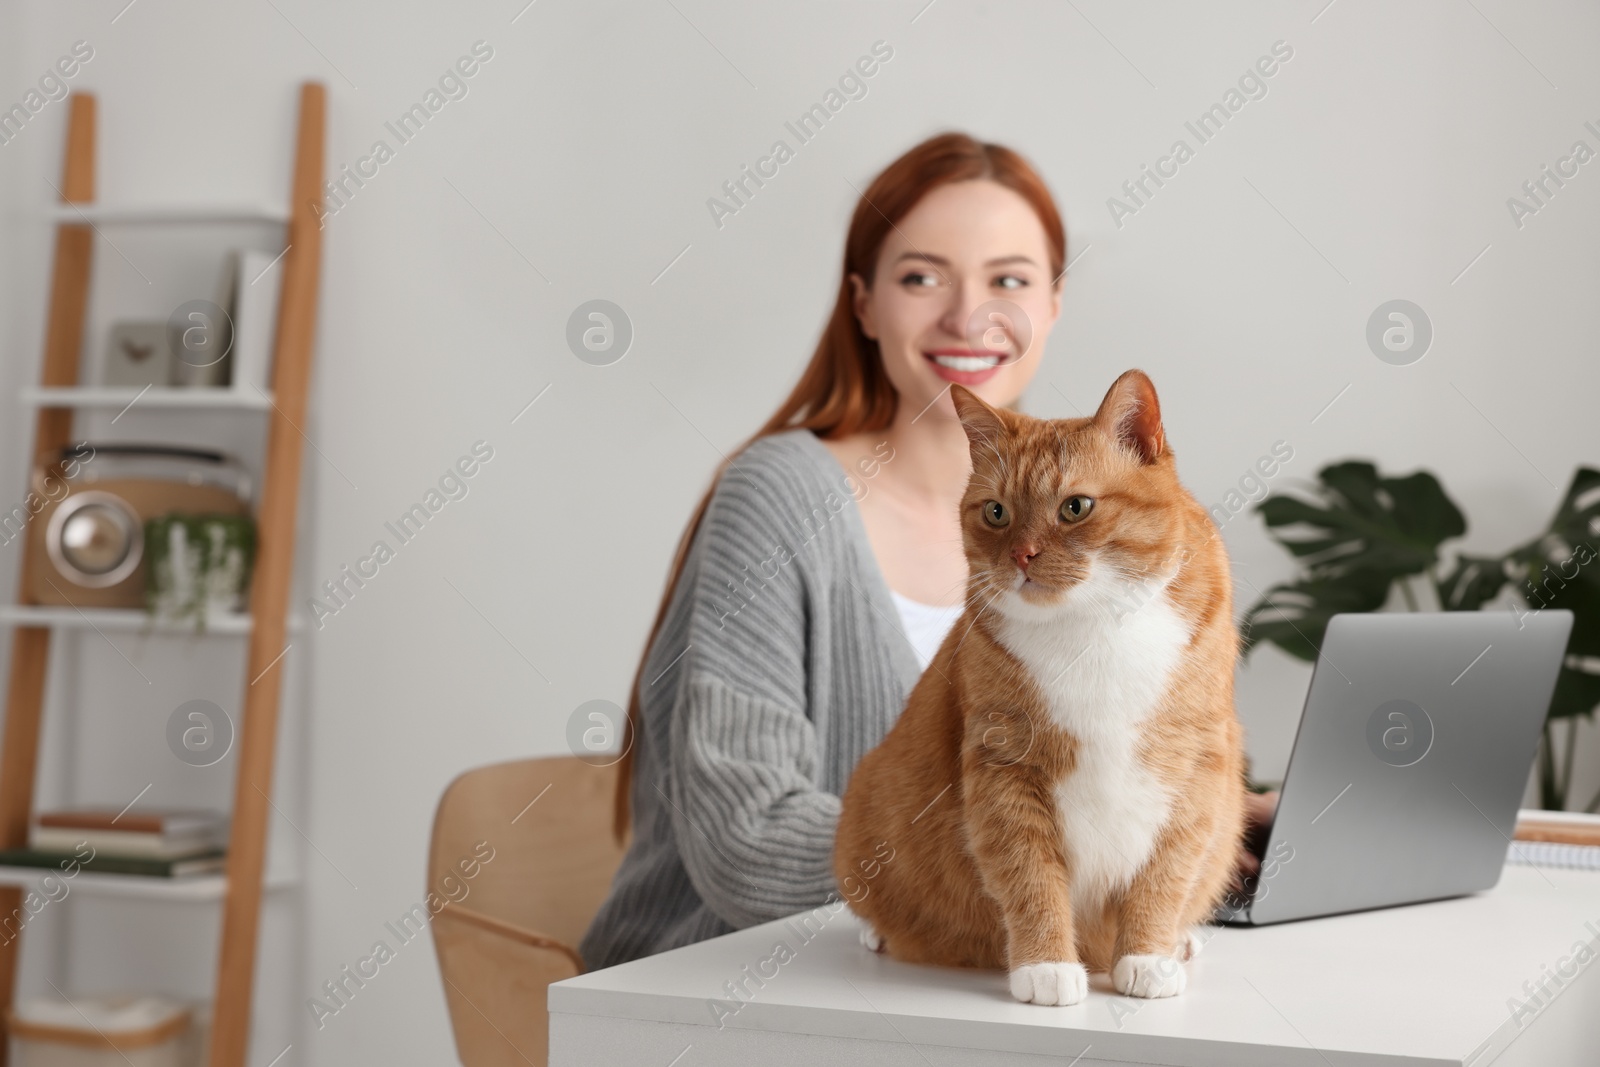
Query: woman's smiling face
(963,246)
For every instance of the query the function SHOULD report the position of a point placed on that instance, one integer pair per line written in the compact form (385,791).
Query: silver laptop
(1412,756)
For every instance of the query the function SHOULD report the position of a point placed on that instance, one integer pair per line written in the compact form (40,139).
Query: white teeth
(967,363)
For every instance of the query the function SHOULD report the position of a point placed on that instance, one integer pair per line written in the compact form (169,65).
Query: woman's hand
(1258,811)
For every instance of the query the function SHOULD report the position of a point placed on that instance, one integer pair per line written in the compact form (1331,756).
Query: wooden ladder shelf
(270,584)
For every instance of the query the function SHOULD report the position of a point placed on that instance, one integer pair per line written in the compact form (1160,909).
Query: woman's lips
(964,366)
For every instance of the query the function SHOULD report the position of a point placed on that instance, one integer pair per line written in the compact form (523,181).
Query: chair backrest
(536,838)
(548,822)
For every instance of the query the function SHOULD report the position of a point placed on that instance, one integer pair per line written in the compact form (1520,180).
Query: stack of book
(158,844)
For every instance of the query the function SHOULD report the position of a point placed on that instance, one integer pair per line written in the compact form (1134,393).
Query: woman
(824,567)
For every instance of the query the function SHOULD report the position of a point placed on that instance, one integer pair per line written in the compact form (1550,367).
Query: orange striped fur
(1064,792)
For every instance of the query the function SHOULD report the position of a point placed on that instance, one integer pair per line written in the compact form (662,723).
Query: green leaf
(1577,519)
(1360,532)
(1423,510)
(1561,567)
(1294,615)
(1473,582)
(1577,693)
(1364,521)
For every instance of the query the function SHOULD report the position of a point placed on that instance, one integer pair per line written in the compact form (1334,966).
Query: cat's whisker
(980,583)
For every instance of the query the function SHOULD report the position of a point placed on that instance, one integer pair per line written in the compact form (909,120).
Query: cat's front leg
(1152,942)
(1018,852)
(1060,982)
(871,940)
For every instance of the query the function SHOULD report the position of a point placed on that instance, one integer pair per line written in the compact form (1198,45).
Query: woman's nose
(962,305)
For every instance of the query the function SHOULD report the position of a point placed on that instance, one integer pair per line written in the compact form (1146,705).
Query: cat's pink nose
(1024,554)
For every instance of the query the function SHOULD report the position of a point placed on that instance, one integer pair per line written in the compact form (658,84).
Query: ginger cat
(1064,792)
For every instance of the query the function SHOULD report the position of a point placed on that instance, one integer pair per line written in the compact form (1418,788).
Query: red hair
(844,389)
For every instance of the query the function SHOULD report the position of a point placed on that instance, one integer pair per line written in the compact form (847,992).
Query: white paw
(1148,976)
(1050,983)
(1190,942)
(869,937)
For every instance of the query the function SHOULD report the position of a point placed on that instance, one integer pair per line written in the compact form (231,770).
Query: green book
(208,862)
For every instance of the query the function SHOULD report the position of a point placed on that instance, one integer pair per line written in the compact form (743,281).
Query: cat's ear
(983,423)
(1131,414)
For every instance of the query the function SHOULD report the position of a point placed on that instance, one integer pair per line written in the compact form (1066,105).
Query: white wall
(1378,166)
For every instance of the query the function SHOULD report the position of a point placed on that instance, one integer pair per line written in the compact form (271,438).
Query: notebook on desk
(1556,839)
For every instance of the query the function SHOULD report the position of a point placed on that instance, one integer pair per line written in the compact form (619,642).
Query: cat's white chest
(1104,661)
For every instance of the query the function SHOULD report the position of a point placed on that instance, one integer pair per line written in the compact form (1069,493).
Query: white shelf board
(131,620)
(200,887)
(120,619)
(99,396)
(169,214)
(197,887)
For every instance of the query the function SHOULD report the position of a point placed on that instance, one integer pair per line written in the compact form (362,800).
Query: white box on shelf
(255,319)
(200,334)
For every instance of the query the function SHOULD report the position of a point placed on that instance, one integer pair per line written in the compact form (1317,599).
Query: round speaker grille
(95,539)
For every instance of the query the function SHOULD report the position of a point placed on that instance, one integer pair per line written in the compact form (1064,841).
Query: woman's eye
(920,278)
(1076,508)
(1010,281)
(995,514)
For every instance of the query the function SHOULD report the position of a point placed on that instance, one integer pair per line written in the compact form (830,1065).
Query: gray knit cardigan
(780,663)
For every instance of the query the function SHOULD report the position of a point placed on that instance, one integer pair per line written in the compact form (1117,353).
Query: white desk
(1423,984)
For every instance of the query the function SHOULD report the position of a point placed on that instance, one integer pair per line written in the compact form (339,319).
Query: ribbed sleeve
(754,830)
(780,662)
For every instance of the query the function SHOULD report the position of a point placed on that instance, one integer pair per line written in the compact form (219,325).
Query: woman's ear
(861,304)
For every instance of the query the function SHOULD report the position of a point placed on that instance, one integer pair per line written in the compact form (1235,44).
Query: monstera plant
(1359,535)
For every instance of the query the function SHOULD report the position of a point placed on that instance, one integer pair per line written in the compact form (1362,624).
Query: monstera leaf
(1294,615)
(1362,531)
(1473,582)
(1577,519)
(1561,569)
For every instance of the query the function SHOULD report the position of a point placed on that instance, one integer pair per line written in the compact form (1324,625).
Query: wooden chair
(517,926)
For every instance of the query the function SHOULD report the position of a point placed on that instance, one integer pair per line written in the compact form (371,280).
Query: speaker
(86,546)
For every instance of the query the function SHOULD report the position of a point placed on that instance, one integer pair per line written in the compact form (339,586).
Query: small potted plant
(198,566)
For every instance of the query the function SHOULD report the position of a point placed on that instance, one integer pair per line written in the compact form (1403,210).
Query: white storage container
(143,1031)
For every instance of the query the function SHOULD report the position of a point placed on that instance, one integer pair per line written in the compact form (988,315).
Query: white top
(1417,986)
(926,624)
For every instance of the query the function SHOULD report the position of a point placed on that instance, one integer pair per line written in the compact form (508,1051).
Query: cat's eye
(995,513)
(1076,508)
